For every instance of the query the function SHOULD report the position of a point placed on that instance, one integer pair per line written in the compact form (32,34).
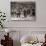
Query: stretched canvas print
(23,10)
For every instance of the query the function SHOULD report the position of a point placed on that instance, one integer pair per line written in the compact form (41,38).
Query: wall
(40,14)
(38,25)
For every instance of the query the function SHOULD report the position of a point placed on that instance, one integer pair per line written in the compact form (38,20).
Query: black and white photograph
(23,10)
